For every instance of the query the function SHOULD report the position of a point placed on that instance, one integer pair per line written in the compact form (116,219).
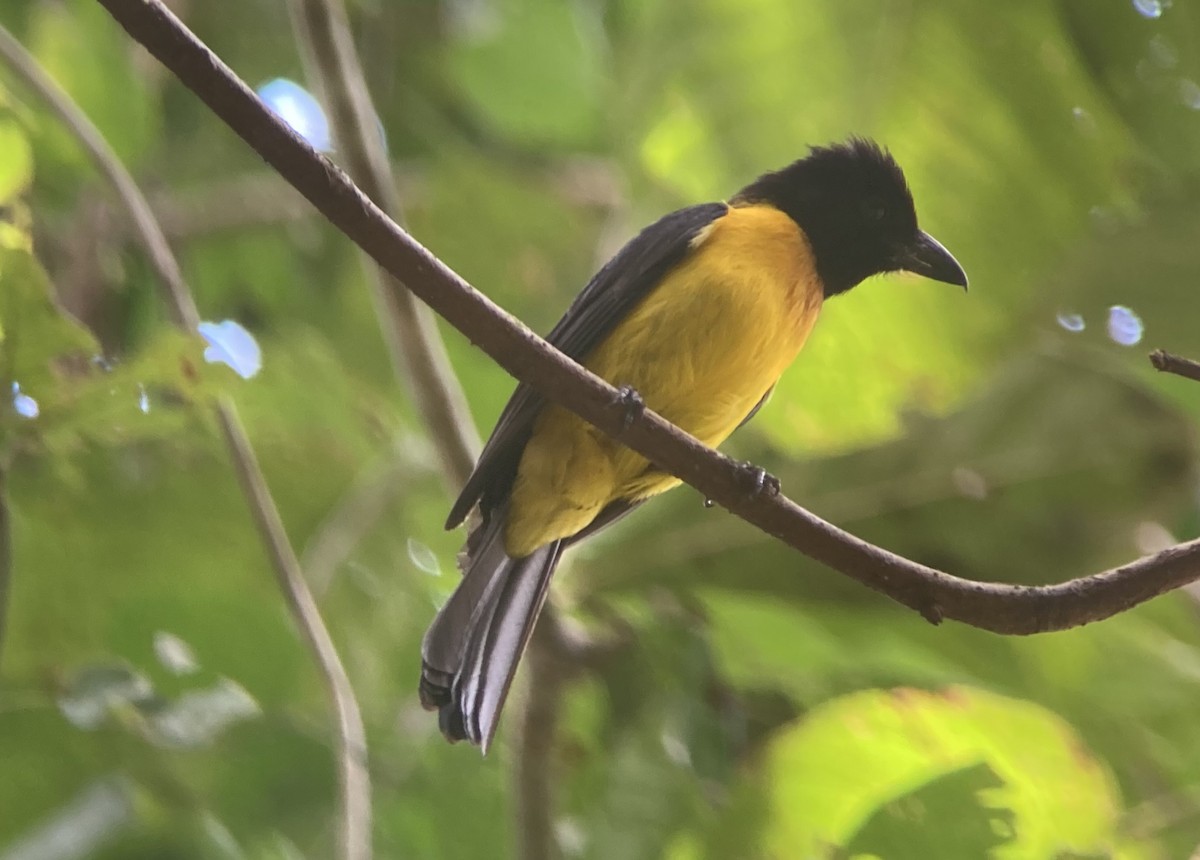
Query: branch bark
(1168,363)
(355,829)
(546,676)
(936,595)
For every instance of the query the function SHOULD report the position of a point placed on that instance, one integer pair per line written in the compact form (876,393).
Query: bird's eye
(873,210)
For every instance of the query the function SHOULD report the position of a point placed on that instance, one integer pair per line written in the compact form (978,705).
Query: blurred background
(155,699)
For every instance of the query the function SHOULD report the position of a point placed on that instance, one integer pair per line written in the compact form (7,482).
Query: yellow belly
(702,349)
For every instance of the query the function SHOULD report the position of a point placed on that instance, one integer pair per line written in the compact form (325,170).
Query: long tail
(471,650)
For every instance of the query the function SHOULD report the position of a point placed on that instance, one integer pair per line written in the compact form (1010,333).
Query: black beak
(928,257)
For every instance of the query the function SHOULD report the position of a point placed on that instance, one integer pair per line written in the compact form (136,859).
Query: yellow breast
(702,349)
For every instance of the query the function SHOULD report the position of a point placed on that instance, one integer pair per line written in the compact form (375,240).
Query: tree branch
(324,34)
(354,834)
(1168,363)
(546,675)
(25,67)
(417,351)
(355,830)
(936,595)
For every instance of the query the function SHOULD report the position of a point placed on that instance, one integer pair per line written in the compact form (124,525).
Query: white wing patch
(703,233)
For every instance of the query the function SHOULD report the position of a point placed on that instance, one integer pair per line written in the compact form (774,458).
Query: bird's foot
(758,481)
(633,404)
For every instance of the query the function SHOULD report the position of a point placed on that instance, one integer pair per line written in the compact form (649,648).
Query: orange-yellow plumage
(749,294)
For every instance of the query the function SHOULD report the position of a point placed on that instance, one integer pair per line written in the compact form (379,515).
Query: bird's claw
(758,481)
(632,403)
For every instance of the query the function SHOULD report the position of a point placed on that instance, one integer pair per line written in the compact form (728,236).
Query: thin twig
(1168,363)
(417,351)
(25,67)
(324,33)
(546,677)
(936,595)
(355,832)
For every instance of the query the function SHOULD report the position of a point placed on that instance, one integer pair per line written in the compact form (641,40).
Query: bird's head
(853,203)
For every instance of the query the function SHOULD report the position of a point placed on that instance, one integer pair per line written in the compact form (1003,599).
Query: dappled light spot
(1149,8)
(1084,121)
(423,557)
(1124,326)
(676,749)
(383,138)
(82,826)
(1151,537)
(143,399)
(969,483)
(199,717)
(570,835)
(1162,52)
(96,690)
(1189,93)
(299,109)
(175,654)
(1071,322)
(99,693)
(23,404)
(1105,219)
(230,344)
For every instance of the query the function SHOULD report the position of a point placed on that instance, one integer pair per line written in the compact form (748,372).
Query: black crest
(853,203)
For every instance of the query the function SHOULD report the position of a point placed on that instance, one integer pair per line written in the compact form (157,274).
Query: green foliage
(16,159)
(36,333)
(90,60)
(80,398)
(760,706)
(530,69)
(832,775)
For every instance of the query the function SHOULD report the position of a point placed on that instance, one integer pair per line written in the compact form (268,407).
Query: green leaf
(830,773)
(16,160)
(946,813)
(35,332)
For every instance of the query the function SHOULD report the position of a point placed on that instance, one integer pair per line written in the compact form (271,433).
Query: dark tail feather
(471,650)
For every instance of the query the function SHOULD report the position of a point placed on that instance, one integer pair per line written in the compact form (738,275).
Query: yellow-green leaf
(829,773)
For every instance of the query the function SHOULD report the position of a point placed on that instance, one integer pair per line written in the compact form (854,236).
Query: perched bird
(699,315)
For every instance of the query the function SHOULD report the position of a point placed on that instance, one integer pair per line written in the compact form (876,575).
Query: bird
(696,317)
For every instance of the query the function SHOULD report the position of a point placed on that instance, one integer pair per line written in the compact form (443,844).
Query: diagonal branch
(408,328)
(936,595)
(1168,363)
(355,831)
